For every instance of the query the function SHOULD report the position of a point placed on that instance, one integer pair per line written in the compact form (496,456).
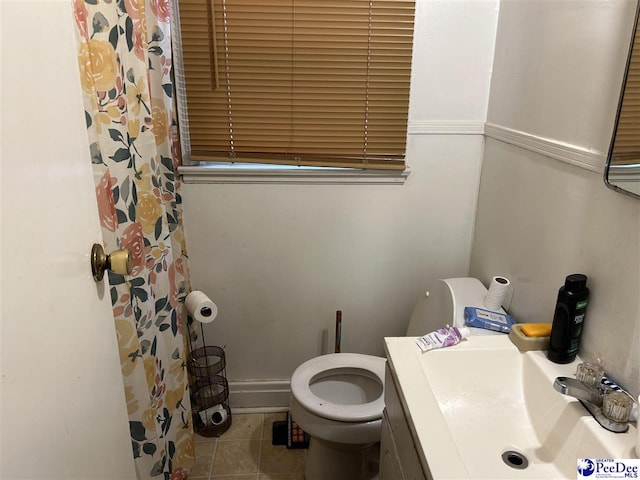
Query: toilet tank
(444,305)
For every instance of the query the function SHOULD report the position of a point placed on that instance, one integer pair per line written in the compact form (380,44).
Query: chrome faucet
(592,397)
(575,388)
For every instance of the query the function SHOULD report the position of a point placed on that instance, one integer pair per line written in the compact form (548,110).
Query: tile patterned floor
(244,452)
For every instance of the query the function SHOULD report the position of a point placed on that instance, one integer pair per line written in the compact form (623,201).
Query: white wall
(556,79)
(281,259)
(452,60)
(558,67)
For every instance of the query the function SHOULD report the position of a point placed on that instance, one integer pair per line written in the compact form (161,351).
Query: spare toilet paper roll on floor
(219,415)
(498,291)
(214,415)
(201,307)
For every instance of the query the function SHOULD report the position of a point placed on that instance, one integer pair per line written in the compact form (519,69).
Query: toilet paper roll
(201,307)
(498,291)
(218,415)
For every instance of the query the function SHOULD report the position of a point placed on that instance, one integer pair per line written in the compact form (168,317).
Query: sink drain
(515,459)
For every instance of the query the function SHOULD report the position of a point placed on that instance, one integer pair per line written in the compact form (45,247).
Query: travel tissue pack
(442,338)
(478,317)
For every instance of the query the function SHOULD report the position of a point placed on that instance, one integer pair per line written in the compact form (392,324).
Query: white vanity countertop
(501,396)
(430,432)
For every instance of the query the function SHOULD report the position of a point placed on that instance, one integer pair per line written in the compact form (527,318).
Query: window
(296,82)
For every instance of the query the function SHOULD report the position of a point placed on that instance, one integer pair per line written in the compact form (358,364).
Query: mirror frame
(607,167)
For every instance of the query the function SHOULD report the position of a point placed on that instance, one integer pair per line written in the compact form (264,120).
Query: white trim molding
(445,127)
(576,155)
(573,154)
(274,174)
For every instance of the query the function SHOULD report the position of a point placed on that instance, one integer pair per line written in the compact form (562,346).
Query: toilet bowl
(338,398)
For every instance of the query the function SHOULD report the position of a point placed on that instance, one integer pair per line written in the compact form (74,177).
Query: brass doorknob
(118,261)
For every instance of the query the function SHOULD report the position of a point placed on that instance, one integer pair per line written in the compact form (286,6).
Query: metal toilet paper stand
(206,366)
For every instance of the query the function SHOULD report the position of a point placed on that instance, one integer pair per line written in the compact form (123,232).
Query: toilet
(338,398)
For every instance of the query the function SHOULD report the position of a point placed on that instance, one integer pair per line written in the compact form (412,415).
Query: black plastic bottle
(568,319)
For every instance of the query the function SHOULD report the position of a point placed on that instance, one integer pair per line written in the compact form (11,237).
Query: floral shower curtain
(125,67)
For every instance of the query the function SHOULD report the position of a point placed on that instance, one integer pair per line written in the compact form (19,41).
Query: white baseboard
(259,396)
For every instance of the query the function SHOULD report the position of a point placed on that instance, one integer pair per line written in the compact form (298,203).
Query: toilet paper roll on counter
(201,307)
(498,293)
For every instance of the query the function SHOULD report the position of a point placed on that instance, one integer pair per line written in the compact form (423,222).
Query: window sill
(274,174)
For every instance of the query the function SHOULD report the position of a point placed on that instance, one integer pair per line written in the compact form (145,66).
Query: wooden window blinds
(298,82)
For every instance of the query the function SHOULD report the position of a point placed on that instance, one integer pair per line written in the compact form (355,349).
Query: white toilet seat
(350,363)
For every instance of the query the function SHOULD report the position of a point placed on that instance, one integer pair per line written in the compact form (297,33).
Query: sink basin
(491,411)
